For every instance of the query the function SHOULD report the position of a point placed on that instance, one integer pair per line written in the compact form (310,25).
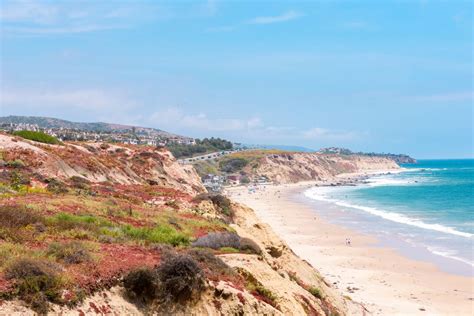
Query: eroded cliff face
(296,167)
(100,162)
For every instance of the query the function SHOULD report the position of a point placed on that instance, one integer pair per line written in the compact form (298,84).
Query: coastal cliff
(296,167)
(103,162)
(282,167)
(80,221)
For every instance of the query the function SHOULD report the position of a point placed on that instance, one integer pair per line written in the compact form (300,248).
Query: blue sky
(387,76)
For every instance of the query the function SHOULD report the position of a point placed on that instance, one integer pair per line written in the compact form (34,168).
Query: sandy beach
(383,280)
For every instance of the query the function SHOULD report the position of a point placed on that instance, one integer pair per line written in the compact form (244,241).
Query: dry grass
(16,216)
(73,252)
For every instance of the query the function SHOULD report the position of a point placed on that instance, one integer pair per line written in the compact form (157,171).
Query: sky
(377,76)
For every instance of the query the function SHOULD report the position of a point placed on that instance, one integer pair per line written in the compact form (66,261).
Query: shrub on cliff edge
(37,136)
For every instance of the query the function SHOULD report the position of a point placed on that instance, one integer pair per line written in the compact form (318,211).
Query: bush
(315,292)
(141,284)
(247,244)
(180,280)
(26,267)
(221,202)
(14,216)
(38,282)
(208,261)
(80,183)
(17,163)
(218,240)
(257,288)
(104,146)
(232,165)
(227,240)
(56,186)
(70,253)
(18,180)
(201,147)
(37,136)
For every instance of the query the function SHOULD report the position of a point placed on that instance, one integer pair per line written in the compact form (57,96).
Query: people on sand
(348,241)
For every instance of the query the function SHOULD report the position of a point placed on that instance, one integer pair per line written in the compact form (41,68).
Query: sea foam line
(449,255)
(392,216)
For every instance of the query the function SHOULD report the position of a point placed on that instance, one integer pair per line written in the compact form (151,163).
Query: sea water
(429,206)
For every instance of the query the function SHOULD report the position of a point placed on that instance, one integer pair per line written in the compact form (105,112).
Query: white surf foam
(376,182)
(449,254)
(392,216)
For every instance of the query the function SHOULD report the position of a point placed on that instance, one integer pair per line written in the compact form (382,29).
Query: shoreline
(385,281)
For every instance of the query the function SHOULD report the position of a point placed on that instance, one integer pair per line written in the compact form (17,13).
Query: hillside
(54,123)
(90,228)
(398,158)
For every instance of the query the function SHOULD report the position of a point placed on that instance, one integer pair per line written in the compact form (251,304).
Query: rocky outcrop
(296,167)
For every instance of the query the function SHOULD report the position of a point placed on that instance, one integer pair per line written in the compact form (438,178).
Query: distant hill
(54,123)
(398,158)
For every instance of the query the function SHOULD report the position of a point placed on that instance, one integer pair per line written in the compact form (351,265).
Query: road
(208,156)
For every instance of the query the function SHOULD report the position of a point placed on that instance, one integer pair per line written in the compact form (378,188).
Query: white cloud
(253,128)
(60,30)
(317,133)
(28,11)
(83,99)
(287,16)
(176,118)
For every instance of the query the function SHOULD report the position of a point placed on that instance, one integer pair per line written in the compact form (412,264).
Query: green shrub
(315,292)
(221,202)
(10,250)
(56,186)
(17,163)
(160,234)
(18,181)
(257,288)
(203,146)
(38,282)
(66,221)
(229,250)
(232,165)
(37,136)
(70,253)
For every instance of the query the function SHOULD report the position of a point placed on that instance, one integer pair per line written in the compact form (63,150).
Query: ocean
(426,211)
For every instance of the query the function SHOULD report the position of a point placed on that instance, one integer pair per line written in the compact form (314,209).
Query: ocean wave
(426,169)
(392,216)
(376,182)
(449,254)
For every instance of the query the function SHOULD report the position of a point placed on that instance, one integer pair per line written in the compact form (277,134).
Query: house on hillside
(234,179)
(213,182)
